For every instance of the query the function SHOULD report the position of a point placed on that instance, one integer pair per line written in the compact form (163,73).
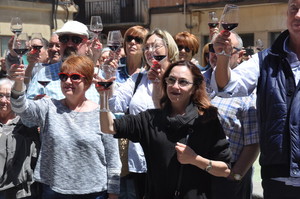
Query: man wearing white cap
(74,39)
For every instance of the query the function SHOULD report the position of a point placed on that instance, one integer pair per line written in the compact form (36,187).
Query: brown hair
(79,64)
(187,39)
(205,53)
(136,31)
(199,98)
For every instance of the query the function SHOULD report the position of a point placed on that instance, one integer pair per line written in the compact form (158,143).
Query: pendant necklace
(74,113)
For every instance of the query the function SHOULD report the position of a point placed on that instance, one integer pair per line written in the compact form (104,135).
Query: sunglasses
(138,40)
(65,39)
(73,76)
(171,81)
(37,47)
(187,49)
(212,50)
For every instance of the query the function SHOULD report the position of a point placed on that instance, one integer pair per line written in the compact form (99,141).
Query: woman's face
(151,49)
(180,87)
(73,86)
(134,45)
(5,98)
(185,53)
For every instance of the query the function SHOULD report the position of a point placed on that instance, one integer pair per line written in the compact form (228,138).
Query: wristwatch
(237,177)
(209,166)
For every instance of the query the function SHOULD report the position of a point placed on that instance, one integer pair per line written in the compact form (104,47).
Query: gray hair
(6,81)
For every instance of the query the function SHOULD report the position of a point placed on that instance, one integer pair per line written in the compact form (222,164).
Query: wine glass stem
(21,59)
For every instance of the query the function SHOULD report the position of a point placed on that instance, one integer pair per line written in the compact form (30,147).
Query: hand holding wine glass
(21,45)
(16,25)
(114,40)
(43,79)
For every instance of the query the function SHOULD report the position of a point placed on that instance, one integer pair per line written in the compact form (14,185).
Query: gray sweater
(75,157)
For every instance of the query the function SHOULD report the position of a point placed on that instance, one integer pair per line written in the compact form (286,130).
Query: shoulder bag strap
(137,82)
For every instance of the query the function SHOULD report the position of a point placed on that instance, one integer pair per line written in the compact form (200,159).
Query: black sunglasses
(73,76)
(187,49)
(65,39)
(138,40)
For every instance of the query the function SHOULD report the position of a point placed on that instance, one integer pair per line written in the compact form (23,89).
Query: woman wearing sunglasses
(188,46)
(184,143)
(76,160)
(125,100)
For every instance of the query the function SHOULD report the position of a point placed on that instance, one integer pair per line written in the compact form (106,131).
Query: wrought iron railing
(115,12)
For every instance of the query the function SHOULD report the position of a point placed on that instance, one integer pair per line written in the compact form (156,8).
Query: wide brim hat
(73,27)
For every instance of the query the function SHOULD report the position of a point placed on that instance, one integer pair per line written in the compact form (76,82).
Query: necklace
(74,113)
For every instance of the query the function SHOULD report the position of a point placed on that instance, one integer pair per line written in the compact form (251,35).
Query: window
(273,36)
(248,39)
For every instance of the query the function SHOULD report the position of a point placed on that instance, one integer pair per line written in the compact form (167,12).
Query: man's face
(73,44)
(54,49)
(293,17)
(43,54)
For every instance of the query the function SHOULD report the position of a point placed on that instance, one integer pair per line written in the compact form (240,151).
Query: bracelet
(209,166)
(18,92)
(223,53)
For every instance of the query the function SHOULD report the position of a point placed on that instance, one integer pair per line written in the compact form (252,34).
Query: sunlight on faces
(5,90)
(54,49)
(148,48)
(177,94)
(71,48)
(43,52)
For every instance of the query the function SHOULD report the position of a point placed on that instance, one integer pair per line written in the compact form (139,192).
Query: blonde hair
(189,40)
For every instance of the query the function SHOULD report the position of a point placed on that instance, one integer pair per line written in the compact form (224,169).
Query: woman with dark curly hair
(184,143)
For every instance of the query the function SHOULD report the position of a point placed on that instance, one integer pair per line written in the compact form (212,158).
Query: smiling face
(54,49)
(5,107)
(180,96)
(71,45)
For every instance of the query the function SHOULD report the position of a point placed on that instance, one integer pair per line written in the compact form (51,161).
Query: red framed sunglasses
(73,76)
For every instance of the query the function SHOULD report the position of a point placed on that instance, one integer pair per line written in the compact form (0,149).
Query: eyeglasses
(212,50)
(187,49)
(51,45)
(65,39)
(75,77)
(138,40)
(6,96)
(181,82)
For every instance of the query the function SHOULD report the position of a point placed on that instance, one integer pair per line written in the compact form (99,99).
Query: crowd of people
(168,127)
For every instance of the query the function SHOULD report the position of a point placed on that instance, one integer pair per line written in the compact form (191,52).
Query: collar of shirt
(291,56)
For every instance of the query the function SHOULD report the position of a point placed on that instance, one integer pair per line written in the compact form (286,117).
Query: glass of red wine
(230,17)
(16,25)
(160,53)
(114,41)
(43,79)
(21,45)
(213,20)
(96,26)
(109,72)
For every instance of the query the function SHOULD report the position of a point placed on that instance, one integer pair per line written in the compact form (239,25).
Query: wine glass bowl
(43,79)
(16,25)
(213,20)
(21,45)
(96,25)
(114,40)
(230,17)
(159,53)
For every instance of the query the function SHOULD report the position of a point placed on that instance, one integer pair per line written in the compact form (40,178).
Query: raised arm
(223,48)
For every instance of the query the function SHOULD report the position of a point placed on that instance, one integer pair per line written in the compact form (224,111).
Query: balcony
(117,12)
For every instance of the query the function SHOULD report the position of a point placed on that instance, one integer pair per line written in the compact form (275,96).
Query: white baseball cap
(73,27)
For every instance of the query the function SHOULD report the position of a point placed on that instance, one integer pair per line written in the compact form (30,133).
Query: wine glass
(230,17)
(109,72)
(16,25)
(159,53)
(38,36)
(114,40)
(21,45)
(43,79)
(96,25)
(213,20)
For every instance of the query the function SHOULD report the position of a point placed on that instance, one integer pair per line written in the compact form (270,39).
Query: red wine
(159,57)
(106,85)
(213,25)
(229,26)
(44,83)
(114,48)
(16,31)
(21,51)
